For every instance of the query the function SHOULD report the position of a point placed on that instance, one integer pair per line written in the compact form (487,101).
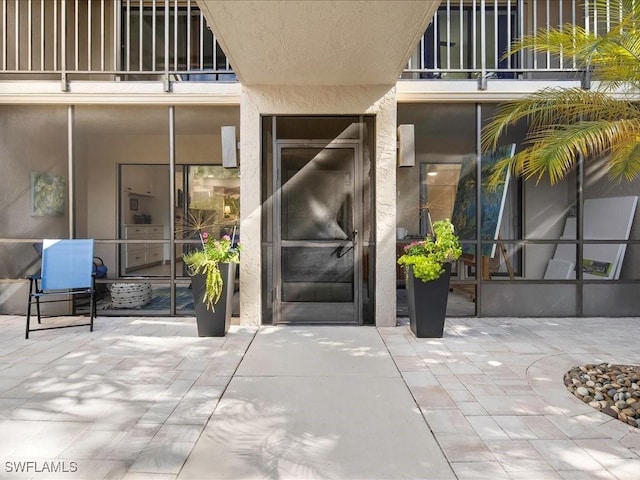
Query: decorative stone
(611,389)
(621,404)
(629,412)
(582,391)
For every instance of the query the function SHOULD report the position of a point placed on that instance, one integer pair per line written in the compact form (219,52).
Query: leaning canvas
(492,200)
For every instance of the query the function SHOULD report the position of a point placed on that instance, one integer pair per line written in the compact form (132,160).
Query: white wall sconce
(406,146)
(229,147)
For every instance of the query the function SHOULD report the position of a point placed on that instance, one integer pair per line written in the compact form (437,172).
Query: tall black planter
(214,323)
(428,304)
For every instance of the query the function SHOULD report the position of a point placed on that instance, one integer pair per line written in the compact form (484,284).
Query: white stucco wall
(282,100)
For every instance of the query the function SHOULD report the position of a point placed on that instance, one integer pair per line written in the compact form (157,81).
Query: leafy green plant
(208,258)
(428,256)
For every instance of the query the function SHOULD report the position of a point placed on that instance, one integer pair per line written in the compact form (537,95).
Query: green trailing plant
(207,260)
(601,120)
(428,257)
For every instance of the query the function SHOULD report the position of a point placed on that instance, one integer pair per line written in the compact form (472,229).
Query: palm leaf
(567,123)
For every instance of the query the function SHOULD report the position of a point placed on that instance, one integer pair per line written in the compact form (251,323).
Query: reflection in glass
(317,194)
(210,202)
(144,216)
(438,186)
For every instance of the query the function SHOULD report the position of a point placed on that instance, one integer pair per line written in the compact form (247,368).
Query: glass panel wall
(520,222)
(206,195)
(34,193)
(121,159)
(125,201)
(611,250)
(445,143)
(123,154)
(576,243)
(208,200)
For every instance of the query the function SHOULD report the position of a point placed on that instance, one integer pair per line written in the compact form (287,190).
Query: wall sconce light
(406,146)
(229,147)
(227,211)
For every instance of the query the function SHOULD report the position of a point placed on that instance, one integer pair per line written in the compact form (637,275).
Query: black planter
(428,304)
(214,323)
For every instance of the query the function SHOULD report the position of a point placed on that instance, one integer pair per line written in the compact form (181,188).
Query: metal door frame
(357,147)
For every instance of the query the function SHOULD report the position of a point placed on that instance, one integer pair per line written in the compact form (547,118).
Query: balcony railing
(468,38)
(102,39)
(170,40)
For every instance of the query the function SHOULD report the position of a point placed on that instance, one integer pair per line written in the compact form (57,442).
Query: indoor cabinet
(139,181)
(139,255)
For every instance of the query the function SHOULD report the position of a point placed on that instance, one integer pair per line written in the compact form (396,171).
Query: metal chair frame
(67,269)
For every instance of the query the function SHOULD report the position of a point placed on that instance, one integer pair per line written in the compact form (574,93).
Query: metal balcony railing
(468,38)
(170,39)
(109,39)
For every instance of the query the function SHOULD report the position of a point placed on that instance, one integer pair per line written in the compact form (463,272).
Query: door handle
(342,251)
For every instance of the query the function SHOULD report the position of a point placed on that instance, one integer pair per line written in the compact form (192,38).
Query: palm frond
(554,152)
(553,159)
(555,106)
(625,162)
(564,124)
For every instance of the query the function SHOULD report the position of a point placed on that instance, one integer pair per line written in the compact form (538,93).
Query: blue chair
(67,269)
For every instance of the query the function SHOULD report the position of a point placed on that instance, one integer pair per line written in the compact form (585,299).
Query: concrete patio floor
(145,398)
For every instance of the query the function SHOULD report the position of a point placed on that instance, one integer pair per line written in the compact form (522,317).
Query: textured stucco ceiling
(318,42)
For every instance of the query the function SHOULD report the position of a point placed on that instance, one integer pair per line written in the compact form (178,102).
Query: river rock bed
(612,389)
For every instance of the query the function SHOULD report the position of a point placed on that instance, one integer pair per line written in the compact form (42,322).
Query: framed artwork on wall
(47,195)
(133,204)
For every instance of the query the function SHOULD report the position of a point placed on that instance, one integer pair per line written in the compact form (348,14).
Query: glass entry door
(316,223)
